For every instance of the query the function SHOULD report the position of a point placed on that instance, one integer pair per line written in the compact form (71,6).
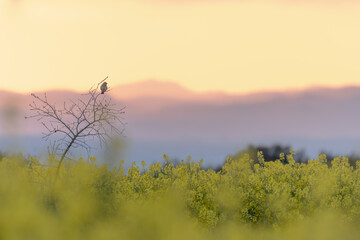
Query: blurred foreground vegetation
(247,198)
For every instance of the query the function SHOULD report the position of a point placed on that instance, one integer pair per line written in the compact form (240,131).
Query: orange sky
(235,46)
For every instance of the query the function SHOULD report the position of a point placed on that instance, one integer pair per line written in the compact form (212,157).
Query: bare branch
(92,116)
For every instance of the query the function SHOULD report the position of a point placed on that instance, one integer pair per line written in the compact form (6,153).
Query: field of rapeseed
(262,200)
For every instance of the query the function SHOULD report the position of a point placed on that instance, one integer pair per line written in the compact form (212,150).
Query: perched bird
(103,87)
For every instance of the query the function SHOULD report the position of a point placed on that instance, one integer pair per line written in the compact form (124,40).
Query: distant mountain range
(164,117)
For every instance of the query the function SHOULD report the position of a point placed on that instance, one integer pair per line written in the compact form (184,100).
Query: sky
(236,46)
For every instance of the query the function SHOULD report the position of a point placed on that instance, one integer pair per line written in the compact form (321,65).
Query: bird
(103,87)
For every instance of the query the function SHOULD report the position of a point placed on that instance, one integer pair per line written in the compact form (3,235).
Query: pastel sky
(205,45)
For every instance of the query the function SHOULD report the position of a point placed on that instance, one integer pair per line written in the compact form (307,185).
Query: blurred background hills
(166,118)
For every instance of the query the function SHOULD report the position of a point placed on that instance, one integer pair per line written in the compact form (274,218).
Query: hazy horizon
(208,126)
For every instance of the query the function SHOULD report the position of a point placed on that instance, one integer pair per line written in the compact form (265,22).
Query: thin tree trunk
(63,156)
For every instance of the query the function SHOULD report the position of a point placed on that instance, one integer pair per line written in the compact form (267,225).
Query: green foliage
(247,198)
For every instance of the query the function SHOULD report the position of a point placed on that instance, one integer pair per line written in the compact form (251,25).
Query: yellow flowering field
(247,199)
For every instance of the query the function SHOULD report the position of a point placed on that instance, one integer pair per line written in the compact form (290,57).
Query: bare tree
(93,116)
